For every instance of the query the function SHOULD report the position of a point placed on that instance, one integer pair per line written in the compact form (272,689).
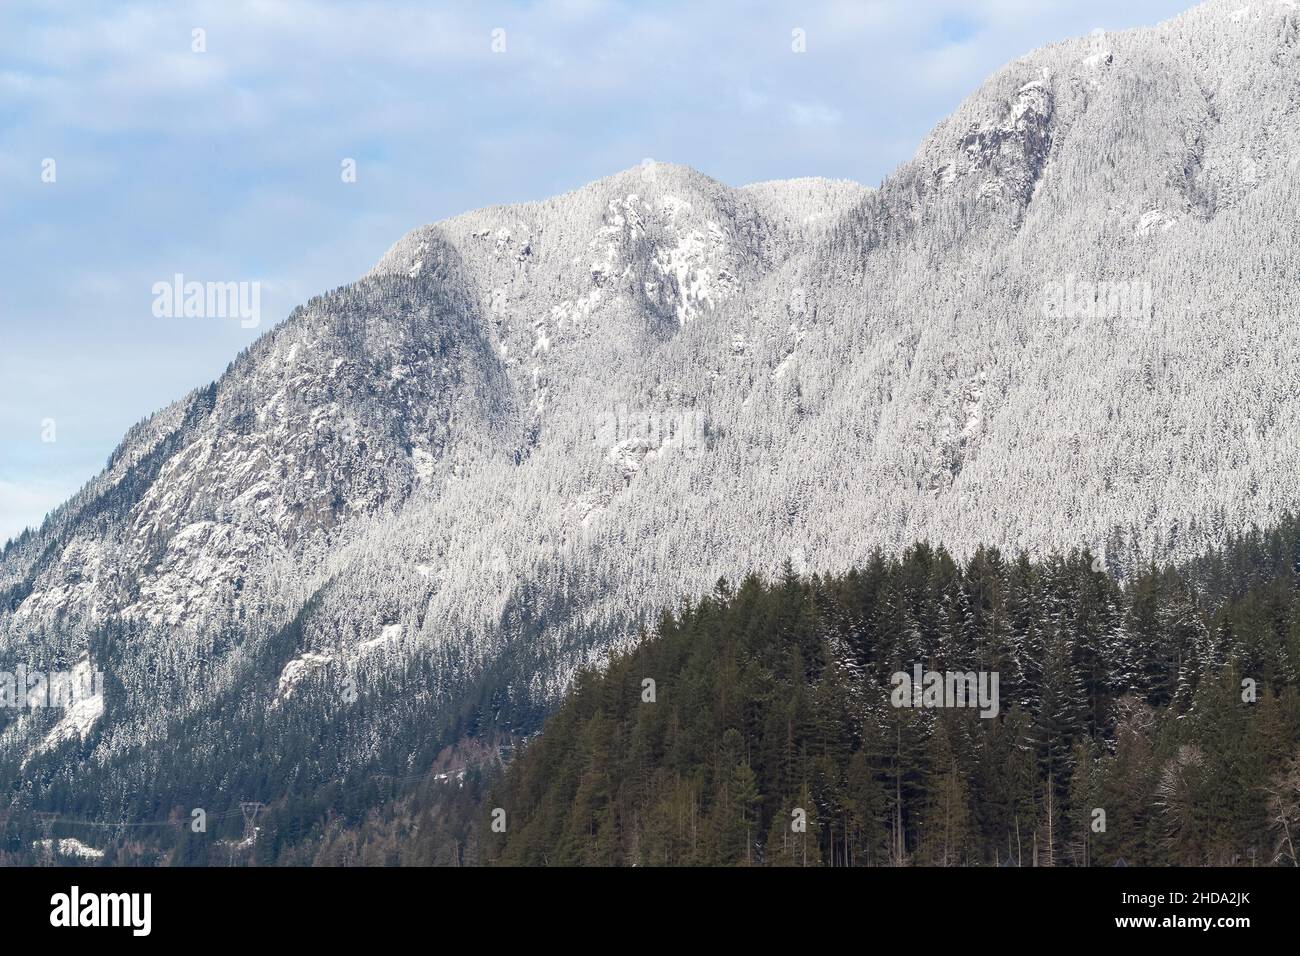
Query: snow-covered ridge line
(407,462)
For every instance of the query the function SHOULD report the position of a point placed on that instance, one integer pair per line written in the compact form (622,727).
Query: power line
(245,807)
(142,823)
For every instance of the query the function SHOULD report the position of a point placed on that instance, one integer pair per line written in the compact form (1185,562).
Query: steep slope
(395,417)
(443,358)
(919,372)
(348,406)
(1069,319)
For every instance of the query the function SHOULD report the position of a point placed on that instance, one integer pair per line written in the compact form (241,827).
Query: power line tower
(250,810)
(46,819)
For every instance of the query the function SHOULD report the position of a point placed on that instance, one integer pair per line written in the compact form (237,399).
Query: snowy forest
(338,592)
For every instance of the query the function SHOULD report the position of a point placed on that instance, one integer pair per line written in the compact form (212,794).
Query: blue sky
(225,165)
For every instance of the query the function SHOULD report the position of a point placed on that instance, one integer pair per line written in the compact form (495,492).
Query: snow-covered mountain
(1070,319)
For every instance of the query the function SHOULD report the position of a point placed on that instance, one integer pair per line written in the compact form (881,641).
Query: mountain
(490,462)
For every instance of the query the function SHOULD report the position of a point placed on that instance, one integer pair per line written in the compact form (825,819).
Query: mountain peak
(1067,321)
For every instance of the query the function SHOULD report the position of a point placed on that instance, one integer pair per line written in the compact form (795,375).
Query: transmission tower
(250,809)
(46,819)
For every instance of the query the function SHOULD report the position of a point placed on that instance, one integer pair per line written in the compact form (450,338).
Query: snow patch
(973,406)
(70,846)
(1155,220)
(457,775)
(423,463)
(781,368)
(297,669)
(390,633)
(674,206)
(79,716)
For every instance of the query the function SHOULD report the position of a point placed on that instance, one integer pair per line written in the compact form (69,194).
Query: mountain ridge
(528,428)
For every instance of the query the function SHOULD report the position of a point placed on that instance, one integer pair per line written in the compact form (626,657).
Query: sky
(217,140)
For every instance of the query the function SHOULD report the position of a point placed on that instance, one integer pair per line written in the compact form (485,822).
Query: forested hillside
(383,543)
(772,697)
